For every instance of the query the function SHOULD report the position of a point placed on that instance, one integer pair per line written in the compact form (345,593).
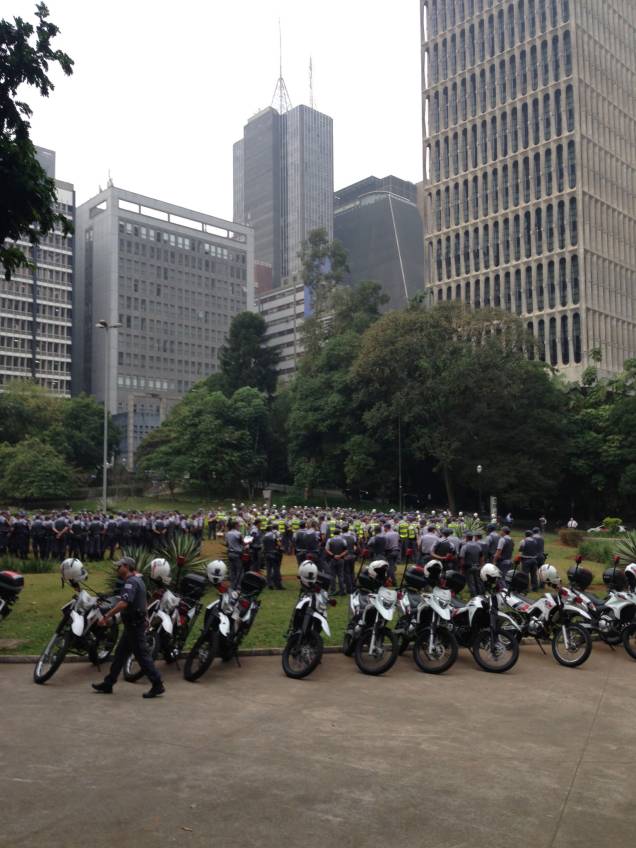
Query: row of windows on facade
(544,112)
(511,239)
(59,386)
(49,275)
(141,352)
(25,326)
(539,287)
(181,260)
(44,347)
(42,310)
(521,182)
(53,294)
(533,15)
(184,288)
(15,362)
(180,242)
(540,63)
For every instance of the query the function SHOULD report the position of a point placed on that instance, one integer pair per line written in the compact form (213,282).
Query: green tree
(459,387)
(33,470)
(324,266)
(27,200)
(79,435)
(27,410)
(245,359)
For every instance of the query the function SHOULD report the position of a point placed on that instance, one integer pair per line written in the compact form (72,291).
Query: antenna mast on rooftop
(280,92)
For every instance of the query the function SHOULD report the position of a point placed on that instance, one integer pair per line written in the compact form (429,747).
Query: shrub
(27,566)
(571,537)
(626,547)
(612,525)
(597,551)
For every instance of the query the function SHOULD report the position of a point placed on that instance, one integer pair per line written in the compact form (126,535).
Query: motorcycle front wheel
(348,646)
(441,656)
(629,639)
(498,658)
(106,638)
(201,656)
(384,654)
(302,654)
(52,656)
(132,672)
(577,650)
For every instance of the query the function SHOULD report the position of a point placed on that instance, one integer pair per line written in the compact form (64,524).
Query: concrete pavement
(542,756)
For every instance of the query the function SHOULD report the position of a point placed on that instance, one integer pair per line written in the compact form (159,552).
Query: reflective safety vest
(295,524)
(332,527)
(413,531)
(262,522)
(281,526)
(403,530)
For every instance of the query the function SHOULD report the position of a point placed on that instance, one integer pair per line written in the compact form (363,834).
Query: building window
(534,68)
(495,244)
(571,165)
(549,228)
(539,287)
(532,28)
(576,336)
(553,342)
(475,197)
(558,117)
(529,305)
(497,291)
(487,291)
(523,73)
(526,179)
(515,183)
(551,286)
(537,176)
(476,253)
(482,90)
(565,342)
(505,188)
(574,281)
(513,77)
(541,340)
(484,193)
(484,142)
(525,126)
(573,223)
(548,171)
(486,246)
(563,284)
(569,107)
(561,224)
(538,231)
(503,123)
(517,238)
(502,81)
(467,252)
(506,241)
(559,168)
(495,191)
(514,131)
(518,293)
(527,234)
(507,292)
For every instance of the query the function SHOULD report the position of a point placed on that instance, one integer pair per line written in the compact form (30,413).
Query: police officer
(529,550)
(234,542)
(392,545)
(445,550)
(132,606)
(493,541)
(350,559)
(505,547)
(428,540)
(336,549)
(471,559)
(273,554)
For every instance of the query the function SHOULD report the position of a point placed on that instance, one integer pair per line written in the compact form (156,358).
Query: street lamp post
(106,326)
(479,470)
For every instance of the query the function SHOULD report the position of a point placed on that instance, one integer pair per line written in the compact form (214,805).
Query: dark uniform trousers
(236,569)
(133,641)
(273,561)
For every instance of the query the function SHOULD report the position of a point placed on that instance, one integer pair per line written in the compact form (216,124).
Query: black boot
(155,689)
(103,688)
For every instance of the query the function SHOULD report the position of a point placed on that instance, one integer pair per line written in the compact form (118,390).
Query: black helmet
(579,577)
(614,578)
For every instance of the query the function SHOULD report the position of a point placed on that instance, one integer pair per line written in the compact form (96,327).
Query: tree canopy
(245,358)
(27,200)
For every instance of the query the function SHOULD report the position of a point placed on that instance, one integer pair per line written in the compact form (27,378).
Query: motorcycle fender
(77,623)
(444,613)
(387,614)
(324,623)
(509,619)
(578,610)
(166,621)
(302,603)
(224,624)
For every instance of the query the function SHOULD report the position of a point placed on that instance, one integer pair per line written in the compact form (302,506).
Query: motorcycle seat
(598,602)
(525,599)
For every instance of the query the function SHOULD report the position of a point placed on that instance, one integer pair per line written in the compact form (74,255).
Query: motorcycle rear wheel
(444,654)
(302,654)
(385,651)
(201,656)
(132,672)
(580,642)
(506,651)
(52,656)
(102,650)
(629,639)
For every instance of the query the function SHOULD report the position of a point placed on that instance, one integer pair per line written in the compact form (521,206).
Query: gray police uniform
(133,639)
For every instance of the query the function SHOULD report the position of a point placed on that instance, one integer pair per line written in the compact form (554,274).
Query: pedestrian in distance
(132,606)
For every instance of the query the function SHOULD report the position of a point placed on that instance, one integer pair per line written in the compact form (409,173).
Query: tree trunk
(448,483)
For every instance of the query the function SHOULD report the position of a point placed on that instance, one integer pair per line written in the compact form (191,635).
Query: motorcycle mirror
(579,559)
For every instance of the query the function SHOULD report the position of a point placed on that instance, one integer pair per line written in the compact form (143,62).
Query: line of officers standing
(336,546)
(91,536)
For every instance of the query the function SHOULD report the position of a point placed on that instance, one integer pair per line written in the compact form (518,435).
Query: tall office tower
(529,124)
(36,303)
(173,279)
(379,223)
(283,187)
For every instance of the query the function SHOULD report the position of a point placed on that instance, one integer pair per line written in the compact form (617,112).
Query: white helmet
(308,573)
(247,540)
(433,569)
(630,576)
(378,569)
(160,571)
(73,571)
(217,571)
(549,574)
(489,573)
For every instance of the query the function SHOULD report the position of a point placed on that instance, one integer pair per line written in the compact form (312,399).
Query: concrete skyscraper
(172,280)
(283,187)
(529,125)
(36,303)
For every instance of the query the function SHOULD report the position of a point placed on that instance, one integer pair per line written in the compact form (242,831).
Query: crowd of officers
(339,541)
(257,538)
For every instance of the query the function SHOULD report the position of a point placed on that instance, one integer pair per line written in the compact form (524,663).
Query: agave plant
(142,557)
(184,553)
(473,525)
(626,547)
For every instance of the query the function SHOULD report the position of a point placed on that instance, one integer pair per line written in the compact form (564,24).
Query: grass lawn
(37,611)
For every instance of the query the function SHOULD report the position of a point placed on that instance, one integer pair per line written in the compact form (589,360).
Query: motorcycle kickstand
(236,659)
(540,645)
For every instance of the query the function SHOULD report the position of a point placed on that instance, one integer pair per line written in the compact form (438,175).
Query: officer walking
(392,545)
(529,550)
(132,606)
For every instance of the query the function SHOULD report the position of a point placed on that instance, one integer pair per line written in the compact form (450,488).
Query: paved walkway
(541,756)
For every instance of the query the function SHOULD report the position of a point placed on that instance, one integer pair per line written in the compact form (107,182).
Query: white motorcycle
(304,646)
(373,604)
(426,617)
(78,633)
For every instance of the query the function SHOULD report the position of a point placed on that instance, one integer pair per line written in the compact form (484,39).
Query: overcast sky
(161,90)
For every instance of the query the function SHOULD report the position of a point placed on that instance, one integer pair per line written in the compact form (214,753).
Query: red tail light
(222,588)
(244,603)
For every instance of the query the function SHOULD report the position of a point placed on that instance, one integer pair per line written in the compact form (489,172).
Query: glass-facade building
(36,309)
(529,125)
(283,185)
